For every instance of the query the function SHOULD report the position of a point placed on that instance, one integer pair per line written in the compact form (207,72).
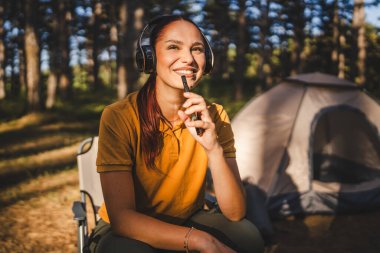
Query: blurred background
(53,51)
(62,61)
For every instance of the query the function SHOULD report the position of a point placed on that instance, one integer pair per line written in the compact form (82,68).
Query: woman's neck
(170,101)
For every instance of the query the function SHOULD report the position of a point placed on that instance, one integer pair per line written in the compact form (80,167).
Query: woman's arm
(119,196)
(228,188)
(227,184)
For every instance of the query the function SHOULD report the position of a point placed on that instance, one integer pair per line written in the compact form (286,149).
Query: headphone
(146,57)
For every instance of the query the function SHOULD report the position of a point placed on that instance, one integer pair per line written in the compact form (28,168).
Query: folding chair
(89,185)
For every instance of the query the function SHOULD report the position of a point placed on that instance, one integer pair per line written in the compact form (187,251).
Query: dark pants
(241,236)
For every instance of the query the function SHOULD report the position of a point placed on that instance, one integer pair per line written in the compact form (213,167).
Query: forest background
(53,51)
(62,61)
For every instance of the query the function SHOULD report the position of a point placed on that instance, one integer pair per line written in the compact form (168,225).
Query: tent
(310,145)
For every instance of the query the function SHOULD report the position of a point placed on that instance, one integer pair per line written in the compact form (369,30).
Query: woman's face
(180,50)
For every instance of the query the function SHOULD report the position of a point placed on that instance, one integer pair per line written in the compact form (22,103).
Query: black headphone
(146,57)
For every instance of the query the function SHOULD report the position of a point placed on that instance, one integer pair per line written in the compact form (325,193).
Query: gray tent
(311,145)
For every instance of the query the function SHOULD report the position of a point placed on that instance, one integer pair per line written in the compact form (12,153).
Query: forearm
(229,190)
(155,232)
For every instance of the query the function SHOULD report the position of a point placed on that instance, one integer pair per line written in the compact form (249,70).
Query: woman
(152,162)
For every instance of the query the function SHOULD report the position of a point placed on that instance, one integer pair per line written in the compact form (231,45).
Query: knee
(251,238)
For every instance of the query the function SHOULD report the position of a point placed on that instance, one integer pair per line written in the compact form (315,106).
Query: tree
(93,45)
(63,12)
(52,81)
(32,56)
(264,23)
(122,83)
(241,49)
(2,52)
(135,18)
(219,26)
(358,26)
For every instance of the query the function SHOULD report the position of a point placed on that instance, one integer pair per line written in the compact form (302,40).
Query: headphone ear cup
(140,62)
(150,59)
(145,59)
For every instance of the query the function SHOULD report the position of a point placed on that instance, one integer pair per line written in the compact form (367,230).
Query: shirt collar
(165,127)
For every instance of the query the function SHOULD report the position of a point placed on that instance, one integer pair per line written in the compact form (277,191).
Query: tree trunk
(264,68)
(299,36)
(52,81)
(130,21)
(65,75)
(342,57)
(122,85)
(97,11)
(32,56)
(2,52)
(51,89)
(218,16)
(241,50)
(220,69)
(335,40)
(359,32)
(134,25)
(113,38)
(22,67)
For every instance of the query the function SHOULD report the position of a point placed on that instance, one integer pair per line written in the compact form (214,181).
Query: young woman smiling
(152,162)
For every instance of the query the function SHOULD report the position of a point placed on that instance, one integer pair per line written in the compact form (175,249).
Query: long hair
(149,110)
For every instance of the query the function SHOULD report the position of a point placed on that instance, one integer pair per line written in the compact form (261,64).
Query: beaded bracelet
(186,241)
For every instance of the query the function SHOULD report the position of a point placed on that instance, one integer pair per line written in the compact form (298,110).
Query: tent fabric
(318,144)
(322,80)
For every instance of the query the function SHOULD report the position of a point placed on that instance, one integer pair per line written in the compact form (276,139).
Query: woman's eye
(173,47)
(198,49)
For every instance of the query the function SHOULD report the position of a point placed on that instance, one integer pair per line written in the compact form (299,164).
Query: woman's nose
(187,57)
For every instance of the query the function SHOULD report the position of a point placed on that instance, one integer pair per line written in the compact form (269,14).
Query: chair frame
(79,208)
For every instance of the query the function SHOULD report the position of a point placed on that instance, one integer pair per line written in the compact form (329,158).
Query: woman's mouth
(185,72)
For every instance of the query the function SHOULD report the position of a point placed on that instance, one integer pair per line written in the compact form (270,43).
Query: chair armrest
(78,211)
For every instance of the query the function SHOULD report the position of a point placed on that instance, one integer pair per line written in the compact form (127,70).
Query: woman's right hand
(206,243)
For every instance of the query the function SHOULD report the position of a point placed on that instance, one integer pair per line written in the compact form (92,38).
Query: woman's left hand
(196,104)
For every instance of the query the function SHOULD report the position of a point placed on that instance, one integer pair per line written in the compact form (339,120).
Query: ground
(39,182)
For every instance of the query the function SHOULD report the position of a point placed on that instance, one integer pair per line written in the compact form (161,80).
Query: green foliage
(80,77)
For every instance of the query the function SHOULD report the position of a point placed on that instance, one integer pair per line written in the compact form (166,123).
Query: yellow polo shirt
(178,191)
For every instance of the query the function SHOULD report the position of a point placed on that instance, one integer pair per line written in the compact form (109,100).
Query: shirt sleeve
(224,130)
(115,149)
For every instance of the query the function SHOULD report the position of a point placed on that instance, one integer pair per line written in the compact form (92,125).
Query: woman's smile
(187,72)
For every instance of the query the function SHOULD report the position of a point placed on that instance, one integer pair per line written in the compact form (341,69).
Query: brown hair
(150,115)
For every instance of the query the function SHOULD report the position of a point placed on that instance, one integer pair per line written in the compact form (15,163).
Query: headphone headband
(145,54)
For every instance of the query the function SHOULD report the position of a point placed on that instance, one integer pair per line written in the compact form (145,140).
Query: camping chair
(89,185)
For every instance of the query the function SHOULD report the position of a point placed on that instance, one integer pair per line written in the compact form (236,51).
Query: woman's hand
(196,104)
(206,243)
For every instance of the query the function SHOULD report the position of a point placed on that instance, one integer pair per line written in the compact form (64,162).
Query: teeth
(184,72)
